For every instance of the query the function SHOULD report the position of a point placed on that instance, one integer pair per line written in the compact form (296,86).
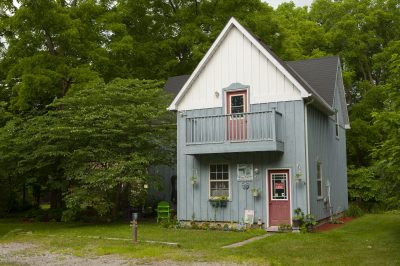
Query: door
(236,119)
(279,197)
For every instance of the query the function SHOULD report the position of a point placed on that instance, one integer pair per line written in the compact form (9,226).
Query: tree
(94,143)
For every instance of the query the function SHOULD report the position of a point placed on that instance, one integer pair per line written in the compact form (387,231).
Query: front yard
(370,240)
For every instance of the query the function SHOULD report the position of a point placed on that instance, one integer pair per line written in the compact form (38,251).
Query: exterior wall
(238,61)
(193,201)
(331,152)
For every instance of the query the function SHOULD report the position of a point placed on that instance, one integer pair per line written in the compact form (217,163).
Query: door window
(279,186)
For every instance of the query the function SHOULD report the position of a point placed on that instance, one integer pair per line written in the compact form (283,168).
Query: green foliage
(354,211)
(364,185)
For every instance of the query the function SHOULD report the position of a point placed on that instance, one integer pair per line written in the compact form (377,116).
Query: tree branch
(172,5)
(50,43)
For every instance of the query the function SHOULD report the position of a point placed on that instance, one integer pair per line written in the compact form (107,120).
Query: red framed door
(236,120)
(279,197)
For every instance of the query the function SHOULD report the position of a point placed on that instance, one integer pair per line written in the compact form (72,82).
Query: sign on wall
(245,172)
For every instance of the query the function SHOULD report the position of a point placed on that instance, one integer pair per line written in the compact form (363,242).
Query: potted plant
(297,220)
(219,201)
(194,180)
(255,192)
(309,222)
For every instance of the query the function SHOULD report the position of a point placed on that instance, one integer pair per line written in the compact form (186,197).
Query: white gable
(236,57)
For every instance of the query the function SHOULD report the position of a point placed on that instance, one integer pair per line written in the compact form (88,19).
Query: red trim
(284,202)
(229,94)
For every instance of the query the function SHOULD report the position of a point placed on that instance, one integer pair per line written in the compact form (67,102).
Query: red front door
(236,119)
(279,197)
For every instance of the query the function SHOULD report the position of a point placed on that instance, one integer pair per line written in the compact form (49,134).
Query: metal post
(134,226)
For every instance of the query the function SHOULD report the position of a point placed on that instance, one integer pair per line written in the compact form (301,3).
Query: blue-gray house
(267,136)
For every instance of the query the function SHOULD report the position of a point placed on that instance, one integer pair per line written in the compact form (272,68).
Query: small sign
(245,172)
(279,186)
(248,216)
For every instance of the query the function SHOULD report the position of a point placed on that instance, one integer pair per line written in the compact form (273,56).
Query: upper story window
(219,180)
(319,180)
(237,102)
(337,124)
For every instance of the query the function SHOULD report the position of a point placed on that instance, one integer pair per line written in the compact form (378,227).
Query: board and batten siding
(237,60)
(193,201)
(324,147)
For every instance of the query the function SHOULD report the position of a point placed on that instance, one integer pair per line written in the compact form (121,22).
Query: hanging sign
(279,186)
(245,172)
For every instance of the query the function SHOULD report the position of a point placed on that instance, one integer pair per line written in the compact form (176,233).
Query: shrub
(354,211)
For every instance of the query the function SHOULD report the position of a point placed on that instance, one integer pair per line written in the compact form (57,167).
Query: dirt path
(29,254)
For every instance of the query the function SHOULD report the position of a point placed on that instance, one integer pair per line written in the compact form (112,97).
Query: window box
(219,202)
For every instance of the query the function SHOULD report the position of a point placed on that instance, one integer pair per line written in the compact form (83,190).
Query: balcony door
(236,117)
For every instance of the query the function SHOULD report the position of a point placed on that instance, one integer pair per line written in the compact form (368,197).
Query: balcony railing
(260,126)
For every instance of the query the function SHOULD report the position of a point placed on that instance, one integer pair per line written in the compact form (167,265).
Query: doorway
(279,197)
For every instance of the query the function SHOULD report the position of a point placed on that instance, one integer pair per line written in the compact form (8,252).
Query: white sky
(275,3)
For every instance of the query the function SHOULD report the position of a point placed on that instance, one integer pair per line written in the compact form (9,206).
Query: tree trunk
(24,194)
(116,202)
(56,199)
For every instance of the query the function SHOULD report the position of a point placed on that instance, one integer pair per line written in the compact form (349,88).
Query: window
(319,179)
(237,104)
(219,180)
(279,186)
(337,124)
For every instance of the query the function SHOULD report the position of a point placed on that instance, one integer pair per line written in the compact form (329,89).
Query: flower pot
(214,203)
(296,223)
(310,228)
(255,194)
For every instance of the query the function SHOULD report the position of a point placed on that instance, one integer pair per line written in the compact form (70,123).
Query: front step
(273,228)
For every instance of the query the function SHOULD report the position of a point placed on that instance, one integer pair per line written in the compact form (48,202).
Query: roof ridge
(311,59)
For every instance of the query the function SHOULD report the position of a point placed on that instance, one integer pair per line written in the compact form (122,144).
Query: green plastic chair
(163,211)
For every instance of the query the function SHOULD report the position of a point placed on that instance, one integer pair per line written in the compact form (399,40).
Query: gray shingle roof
(175,84)
(320,74)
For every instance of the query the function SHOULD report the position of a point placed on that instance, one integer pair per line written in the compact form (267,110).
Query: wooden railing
(241,127)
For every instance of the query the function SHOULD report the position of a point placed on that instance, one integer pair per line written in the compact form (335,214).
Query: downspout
(306,151)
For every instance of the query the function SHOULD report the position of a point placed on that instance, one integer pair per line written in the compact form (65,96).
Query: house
(249,122)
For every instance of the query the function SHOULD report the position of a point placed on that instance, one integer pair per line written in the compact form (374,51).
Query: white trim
(267,191)
(229,180)
(234,23)
(287,196)
(306,154)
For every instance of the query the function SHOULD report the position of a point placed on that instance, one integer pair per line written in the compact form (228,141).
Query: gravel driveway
(28,254)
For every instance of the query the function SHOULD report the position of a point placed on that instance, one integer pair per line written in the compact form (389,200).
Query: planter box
(218,203)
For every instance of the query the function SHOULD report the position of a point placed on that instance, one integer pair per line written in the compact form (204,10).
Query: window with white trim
(319,180)
(219,180)
(337,124)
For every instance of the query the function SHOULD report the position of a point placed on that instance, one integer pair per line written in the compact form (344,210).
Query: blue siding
(331,152)
(193,200)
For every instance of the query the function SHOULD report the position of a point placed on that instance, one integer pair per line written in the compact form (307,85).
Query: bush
(354,211)
(40,215)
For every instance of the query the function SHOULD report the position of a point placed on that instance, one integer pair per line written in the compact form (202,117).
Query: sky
(275,3)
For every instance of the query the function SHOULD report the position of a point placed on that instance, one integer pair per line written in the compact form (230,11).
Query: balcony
(241,132)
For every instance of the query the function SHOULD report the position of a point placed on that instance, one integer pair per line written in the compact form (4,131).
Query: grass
(370,240)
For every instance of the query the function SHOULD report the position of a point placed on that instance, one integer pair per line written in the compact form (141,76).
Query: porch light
(216,94)
(298,173)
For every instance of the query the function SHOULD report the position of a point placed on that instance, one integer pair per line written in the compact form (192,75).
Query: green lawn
(370,240)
